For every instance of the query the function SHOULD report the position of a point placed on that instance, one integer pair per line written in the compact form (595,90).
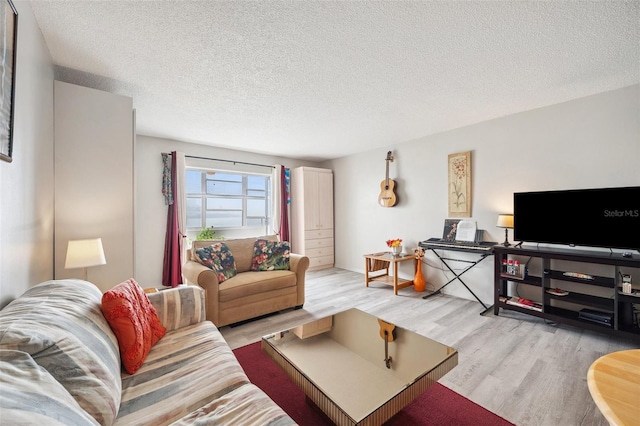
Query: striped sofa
(60,365)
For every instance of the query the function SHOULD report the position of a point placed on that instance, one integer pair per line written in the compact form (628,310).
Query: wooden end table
(380,262)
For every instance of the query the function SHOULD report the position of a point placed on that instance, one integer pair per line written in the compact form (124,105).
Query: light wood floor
(519,367)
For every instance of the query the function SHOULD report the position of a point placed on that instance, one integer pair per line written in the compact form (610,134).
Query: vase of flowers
(419,283)
(395,246)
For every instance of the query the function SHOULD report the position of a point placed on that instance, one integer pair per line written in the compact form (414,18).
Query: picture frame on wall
(8,45)
(459,169)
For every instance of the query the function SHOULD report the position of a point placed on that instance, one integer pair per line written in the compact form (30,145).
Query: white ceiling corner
(323,79)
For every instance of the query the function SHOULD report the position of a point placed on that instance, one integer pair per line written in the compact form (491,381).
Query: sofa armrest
(198,274)
(193,272)
(299,264)
(180,306)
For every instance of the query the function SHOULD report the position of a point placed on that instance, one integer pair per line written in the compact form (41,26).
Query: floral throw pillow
(218,257)
(270,255)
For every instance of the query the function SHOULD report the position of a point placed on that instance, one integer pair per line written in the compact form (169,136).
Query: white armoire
(312,215)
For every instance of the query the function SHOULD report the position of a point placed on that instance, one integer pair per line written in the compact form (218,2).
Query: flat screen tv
(602,217)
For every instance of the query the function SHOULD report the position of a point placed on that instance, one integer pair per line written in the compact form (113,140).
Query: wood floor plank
(520,367)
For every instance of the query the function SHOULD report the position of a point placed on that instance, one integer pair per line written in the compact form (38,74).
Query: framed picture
(459,167)
(8,36)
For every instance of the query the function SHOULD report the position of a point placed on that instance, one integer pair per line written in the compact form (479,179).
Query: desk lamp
(85,253)
(505,221)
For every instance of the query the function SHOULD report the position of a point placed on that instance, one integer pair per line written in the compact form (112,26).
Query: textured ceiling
(324,79)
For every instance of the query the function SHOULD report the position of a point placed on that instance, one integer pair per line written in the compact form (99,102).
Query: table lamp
(505,221)
(85,253)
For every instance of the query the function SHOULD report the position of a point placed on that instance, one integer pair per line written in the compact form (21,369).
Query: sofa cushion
(219,258)
(247,402)
(59,323)
(187,369)
(242,250)
(179,306)
(270,255)
(255,283)
(30,395)
(134,321)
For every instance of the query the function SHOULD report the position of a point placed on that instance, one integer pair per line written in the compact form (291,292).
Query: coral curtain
(281,200)
(172,265)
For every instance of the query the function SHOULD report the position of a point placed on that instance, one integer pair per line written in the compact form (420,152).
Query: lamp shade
(85,253)
(505,221)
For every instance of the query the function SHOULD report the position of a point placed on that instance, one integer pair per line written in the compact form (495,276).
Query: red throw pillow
(134,321)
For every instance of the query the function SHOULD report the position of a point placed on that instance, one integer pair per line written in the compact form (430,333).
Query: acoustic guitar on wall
(387,197)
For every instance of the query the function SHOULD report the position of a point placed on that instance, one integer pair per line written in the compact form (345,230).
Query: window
(227,200)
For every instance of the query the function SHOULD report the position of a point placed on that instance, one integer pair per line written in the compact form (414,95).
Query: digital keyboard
(439,243)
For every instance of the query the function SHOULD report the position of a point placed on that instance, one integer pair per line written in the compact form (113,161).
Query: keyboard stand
(458,275)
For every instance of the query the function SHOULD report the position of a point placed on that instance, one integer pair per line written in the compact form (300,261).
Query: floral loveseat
(255,282)
(60,365)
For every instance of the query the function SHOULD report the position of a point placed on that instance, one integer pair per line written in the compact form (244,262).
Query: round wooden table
(614,383)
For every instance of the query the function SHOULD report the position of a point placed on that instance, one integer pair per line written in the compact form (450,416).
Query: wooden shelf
(527,311)
(387,279)
(628,298)
(597,281)
(585,299)
(584,293)
(529,279)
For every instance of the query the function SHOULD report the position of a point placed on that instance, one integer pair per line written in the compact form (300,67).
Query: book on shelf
(523,303)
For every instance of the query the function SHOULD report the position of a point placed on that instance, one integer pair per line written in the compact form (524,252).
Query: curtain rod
(226,161)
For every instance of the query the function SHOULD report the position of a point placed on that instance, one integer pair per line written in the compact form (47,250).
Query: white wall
(151,212)
(585,143)
(26,184)
(93,161)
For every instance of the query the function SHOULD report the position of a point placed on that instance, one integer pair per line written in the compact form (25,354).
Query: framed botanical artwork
(8,36)
(459,167)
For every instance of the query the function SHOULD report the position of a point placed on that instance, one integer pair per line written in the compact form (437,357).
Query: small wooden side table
(614,381)
(376,262)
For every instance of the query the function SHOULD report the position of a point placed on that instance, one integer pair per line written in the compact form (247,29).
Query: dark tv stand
(601,294)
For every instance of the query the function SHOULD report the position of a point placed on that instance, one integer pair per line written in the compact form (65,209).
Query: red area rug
(437,406)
